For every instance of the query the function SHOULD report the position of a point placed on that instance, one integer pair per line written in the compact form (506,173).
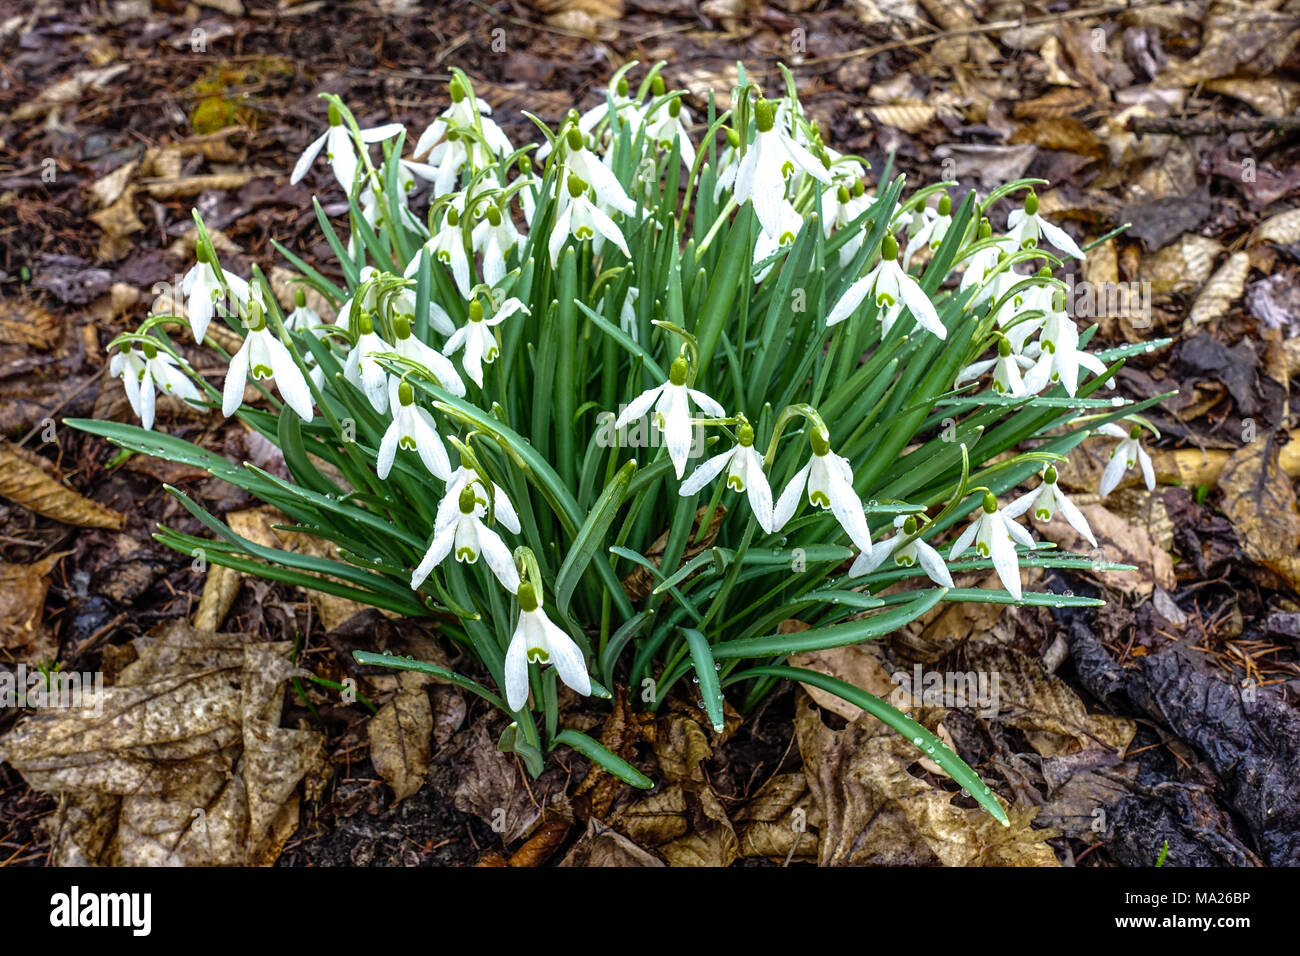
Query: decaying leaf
(1225,287)
(181,761)
(640,582)
(26,323)
(399,736)
(22,599)
(1283,228)
(24,478)
(876,813)
(1259,499)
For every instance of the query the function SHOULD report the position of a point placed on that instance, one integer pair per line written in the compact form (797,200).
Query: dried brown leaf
(25,480)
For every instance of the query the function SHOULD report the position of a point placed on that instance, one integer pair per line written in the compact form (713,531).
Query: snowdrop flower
(932,230)
(463,529)
(500,506)
(145,369)
(893,289)
(412,429)
(995,535)
(361,368)
(1059,356)
(303,318)
(401,304)
(767,245)
(774,156)
(841,205)
(670,123)
(476,337)
(495,237)
(828,478)
(981,265)
(587,167)
(265,357)
(538,640)
(627,313)
(672,415)
(464,113)
(369,294)
(1126,454)
(1025,226)
(907,556)
(1043,501)
(202,287)
(744,474)
(340,151)
(582,219)
(409,347)
(447,245)
(1006,367)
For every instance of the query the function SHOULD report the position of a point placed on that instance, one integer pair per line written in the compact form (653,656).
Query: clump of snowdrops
(708,349)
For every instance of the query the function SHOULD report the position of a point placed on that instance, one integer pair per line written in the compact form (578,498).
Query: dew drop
(916,741)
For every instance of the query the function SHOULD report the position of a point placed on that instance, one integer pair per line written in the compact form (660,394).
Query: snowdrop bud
(150,351)
(945,205)
(527,597)
(677,371)
(986,229)
(300,298)
(820,443)
(201,250)
(336,118)
(909,526)
(366,325)
(745,435)
(467,500)
(1031,204)
(455,89)
(733,138)
(842,194)
(1045,272)
(575,138)
(858,189)
(453,217)
(1135,432)
(889,249)
(990,503)
(476,311)
(1049,475)
(675,108)
(493,216)
(622,86)
(525,166)
(657,85)
(765,115)
(402,327)
(406,394)
(1004,347)
(576,186)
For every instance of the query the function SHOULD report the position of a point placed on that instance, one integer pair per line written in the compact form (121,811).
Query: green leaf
(707,674)
(591,536)
(602,755)
(837,635)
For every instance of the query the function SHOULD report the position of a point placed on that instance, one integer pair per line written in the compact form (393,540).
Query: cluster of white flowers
(483,199)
